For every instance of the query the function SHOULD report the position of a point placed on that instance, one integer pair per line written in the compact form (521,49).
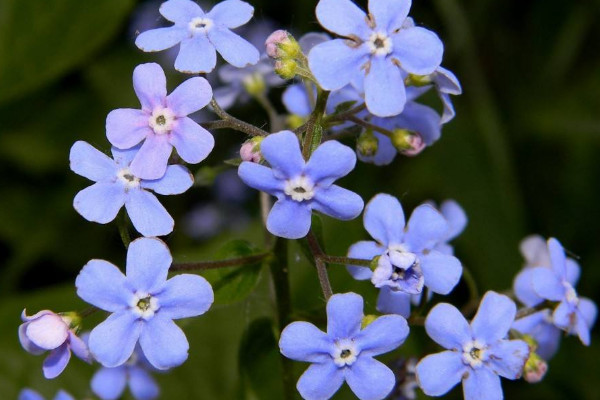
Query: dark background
(521,157)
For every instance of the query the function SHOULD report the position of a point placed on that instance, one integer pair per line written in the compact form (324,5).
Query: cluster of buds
(285,50)
(250,150)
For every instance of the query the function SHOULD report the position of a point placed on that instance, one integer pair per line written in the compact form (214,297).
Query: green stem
(270,110)
(314,121)
(234,123)
(232,262)
(315,249)
(369,125)
(345,260)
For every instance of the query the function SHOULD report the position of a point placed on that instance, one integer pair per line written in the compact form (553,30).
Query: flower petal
(289,219)
(164,344)
(47,332)
(147,215)
(366,250)
(539,326)
(557,258)
(383,78)
(151,160)
(419,50)
(27,344)
(494,317)
(103,285)
(523,288)
(109,383)
(180,11)
(196,55)
(384,219)
(447,82)
(192,142)
(126,127)
(448,327)
(426,227)
(142,385)
(57,361)
(320,381)
(369,378)
(233,48)
(456,217)
(231,13)
(150,85)
(100,202)
(382,335)
(112,341)
(329,162)
(28,394)
(546,284)
(260,177)
(185,296)
(282,151)
(482,384)
(440,372)
(79,348)
(302,341)
(226,96)
(161,38)
(344,315)
(393,302)
(508,357)
(338,203)
(389,15)
(342,17)
(441,271)
(421,119)
(189,97)
(335,63)
(148,262)
(295,99)
(177,180)
(90,163)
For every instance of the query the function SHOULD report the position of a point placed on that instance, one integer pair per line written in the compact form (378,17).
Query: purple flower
(573,314)
(116,185)
(300,186)
(110,383)
(408,259)
(162,123)
(48,331)
(345,352)
(446,84)
(201,35)
(143,304)
(28,394)
(377,51)
(478,354)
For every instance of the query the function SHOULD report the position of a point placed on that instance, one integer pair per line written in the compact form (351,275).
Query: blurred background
(521,157)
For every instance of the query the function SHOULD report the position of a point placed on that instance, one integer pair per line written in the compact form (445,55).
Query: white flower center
(200,24)
(161,120)
(380,44)
(144,305)
(129,180)
(474,353)
(299,188)
(344,353)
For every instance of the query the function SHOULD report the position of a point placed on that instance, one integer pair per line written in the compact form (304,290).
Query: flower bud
(281,45)
(250,150)
(367,144)
(407,142)
(535,368)
(286,68)
(295,121)
(254,84)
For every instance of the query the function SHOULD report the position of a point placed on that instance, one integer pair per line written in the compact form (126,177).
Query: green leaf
(344,106)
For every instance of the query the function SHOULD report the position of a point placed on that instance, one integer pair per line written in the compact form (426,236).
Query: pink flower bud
(250,151)
(274,40)
(416,145)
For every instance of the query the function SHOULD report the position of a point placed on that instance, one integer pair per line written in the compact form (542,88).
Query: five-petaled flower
(478,354)
(200,34)
(48,331)
(162,123)
(116,185)
(143,304)
(345,352)
(300,186)
(377,51)
(28,394)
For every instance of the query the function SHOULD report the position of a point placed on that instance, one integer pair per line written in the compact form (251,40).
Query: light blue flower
(143,304)
(541,328)
(345,352)
(478,354)
(408,259)
(300,186)
(28,394)
(116,186)
(201,35)
(162,123)
(377,51)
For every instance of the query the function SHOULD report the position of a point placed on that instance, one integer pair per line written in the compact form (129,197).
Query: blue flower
(162,123)
(28,394)
(300,186)
(116,186)
(457,222)
(201,35)
(110,383)
(47,331)
(541,328)
(345,352)
(377,51)
(477,354)
(143,305)
(408,259)
(573,314)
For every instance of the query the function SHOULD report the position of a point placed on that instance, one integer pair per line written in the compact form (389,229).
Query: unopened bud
(295,121)
(367,319)
(367,144)
(286,68)
(418,80)
(281,45)
(535,368)
(250,150)
(407,142)
(254,84)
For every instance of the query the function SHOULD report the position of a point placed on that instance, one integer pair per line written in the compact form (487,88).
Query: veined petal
(189,97)
(344,315)
(335,63)
(150,85)
(384,219)
(440,372)
(126,127)
(338,202)
(419,50)
(148,262)
(112,341)
(161,38)
(342,17)
(164,344)
(57,361)
(282,151)
(180,11)
(260,177)
(494,317)
(329,162)
(382,335)
(393,302)
(151,160)
(177,180)
(302,341)
(369,378)
(320,381)
(385,93)
(289,219)
(426,227)
(448,327)
(103,285)
(90,163)
(100,202)
(185,296)
(192,142)
(508,357)
(441,271)
(482,384)
(366,250)
(109,383)
(231,13)
(147,215)
(142,385)
(196,55)
(233,48)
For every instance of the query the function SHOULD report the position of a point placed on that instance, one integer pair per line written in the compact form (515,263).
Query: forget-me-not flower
(377,51)
(116,185)
(143,304)
(162,123)
(300,186)
(478,353)
(345,352)
(48,331)
(201,35)
(28,394)
(541,328)
(407,259)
